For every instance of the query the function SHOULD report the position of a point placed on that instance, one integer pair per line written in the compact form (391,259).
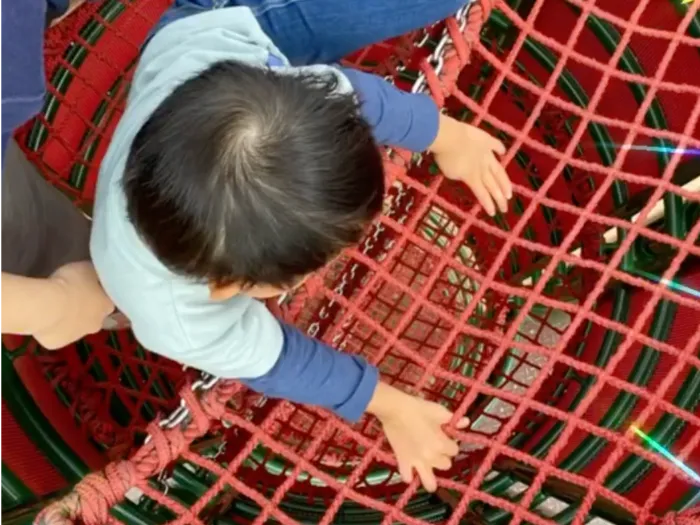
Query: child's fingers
(442,463)
(501,176)
(427,477)
(448,447)
(439,413)
(484,198)
(496,145)
(495,191)
(463,423)
(405,471)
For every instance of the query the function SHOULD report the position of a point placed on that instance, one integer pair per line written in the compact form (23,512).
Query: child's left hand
(415,430)
(464,152)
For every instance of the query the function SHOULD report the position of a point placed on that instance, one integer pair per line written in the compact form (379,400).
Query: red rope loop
(314,285)
(443,85)
(213,403)
(311,288)
(222,393)
(689,517)
(479,13)
(163,446)
(200,420)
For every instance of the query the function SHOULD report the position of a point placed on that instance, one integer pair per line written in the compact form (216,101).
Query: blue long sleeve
(58,6)
(313,373)
(398,118)
(23,25)
(23,79)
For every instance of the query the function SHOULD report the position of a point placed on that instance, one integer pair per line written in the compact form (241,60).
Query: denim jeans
(324,31)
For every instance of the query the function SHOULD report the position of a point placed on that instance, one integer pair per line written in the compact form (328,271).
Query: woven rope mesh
(546,325)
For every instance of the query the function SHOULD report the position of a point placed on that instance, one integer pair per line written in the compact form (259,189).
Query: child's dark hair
(244,175)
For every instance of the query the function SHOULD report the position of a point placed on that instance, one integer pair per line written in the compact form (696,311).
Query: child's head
(250,180)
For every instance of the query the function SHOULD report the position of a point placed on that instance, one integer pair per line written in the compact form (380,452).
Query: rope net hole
(440,290)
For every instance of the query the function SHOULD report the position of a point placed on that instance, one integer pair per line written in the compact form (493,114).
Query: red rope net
(546,325)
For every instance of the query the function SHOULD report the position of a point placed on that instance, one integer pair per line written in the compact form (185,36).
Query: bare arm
(29,305)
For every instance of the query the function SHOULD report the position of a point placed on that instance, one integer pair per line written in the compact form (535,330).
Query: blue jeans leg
(324,31)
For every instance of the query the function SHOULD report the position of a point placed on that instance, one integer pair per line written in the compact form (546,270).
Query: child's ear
(223,293)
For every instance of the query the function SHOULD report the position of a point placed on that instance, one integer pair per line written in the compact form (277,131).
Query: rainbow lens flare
(658,447)
(673,285)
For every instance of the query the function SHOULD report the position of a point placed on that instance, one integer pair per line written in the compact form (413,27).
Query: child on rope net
(241,165)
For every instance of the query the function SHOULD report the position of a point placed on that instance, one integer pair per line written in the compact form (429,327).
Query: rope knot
(100,492)
(214,402)
(92,497)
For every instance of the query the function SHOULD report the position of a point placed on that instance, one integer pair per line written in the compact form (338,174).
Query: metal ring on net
(399,290)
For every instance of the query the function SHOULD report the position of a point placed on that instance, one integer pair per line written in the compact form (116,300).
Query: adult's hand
(56,311)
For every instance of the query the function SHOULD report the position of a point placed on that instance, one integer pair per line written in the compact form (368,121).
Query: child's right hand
(414,428)
(467,153)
